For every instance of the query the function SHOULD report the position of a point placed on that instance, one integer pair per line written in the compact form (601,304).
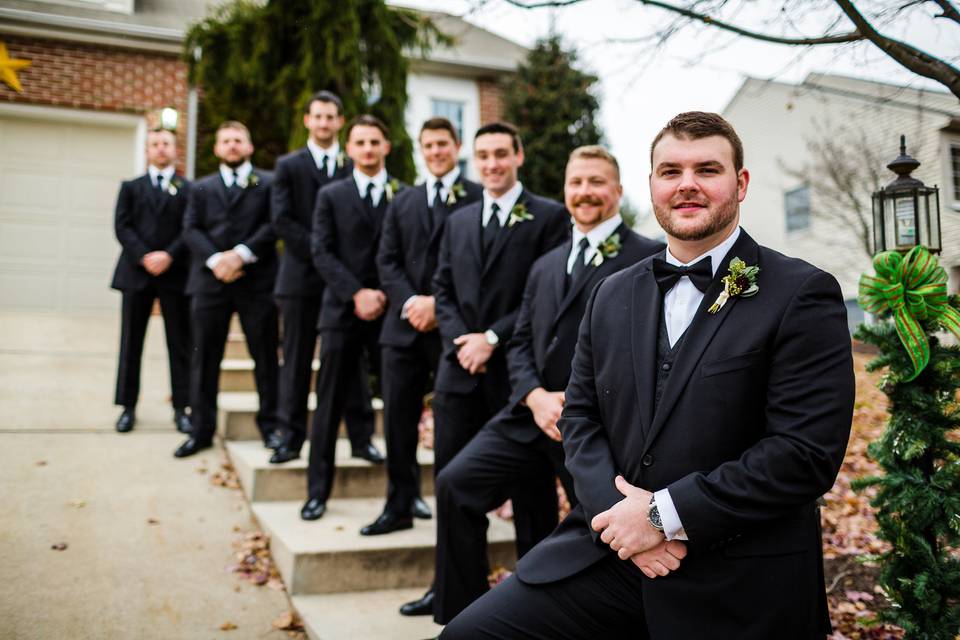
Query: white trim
(90,24)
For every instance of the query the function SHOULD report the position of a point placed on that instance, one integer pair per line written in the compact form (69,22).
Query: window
(955,170)
(796,204)
(452,111)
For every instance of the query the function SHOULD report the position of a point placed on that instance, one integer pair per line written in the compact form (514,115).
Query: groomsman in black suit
(298,177)
(153,264)
(485,257)
(347,220)
(228,229)
(411,343)
(710,401)
(522,439)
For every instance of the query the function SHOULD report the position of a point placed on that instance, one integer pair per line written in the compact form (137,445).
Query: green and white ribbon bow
(913,287)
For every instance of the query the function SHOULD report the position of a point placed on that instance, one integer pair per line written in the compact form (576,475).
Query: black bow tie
(667,275)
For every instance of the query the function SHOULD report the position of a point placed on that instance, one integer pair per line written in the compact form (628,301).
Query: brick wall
(491,100)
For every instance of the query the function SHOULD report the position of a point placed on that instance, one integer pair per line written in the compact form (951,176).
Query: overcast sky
(701,68)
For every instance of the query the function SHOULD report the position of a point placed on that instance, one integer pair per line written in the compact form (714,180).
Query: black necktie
(437,194)
(490,231)
(368,197)
(160,183)
(236,182)
(323,166)
(667,275)
(578,264)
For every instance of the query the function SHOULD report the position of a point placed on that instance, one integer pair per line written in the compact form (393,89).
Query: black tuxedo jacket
(407,258)
(545,335)
(296,182)
(750,430)
(473,296)
(216,221)
(344,243)
(147,220)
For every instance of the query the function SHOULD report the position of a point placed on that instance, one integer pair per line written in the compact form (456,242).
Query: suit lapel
(222,191)
(698,335)
(306,158)
(593,273)
(424,213)
(503,236)
(645,306)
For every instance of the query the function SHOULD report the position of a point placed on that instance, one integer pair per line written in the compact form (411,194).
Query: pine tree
(552,104)
(259,63)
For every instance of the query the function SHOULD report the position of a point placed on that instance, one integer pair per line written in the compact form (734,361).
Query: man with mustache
(522,442)
(299,289)
(227,227)
(710,401)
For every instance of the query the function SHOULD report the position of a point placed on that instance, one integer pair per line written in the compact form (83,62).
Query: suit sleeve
(134,247)
(194,233)
(450,323)
(393,277)
(585,443)
(323,246)
(296,237)
(178,248)
(808,411)
(264,238)
(521,361)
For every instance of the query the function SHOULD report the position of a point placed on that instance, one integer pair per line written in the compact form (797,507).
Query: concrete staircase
(343,585)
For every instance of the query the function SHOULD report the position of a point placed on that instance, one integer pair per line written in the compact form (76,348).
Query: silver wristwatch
(492,338)
(653,516)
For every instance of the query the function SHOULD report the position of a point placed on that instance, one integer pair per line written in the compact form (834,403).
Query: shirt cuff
(213,260)
(403,309)
(245,254)
(672,527)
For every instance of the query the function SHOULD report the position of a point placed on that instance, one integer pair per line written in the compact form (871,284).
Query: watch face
(655,518)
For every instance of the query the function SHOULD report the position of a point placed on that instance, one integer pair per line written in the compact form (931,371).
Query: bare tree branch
(950,12)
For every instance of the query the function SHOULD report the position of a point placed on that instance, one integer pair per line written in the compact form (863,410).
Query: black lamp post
(906,212)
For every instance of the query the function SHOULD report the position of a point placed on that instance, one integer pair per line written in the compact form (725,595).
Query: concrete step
(330,556)
(355,478)
(237,412)
(363,614)
(236,374)
(236,348)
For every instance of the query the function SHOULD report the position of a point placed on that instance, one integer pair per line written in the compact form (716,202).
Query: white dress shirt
(379,182)
(165,173)
(319,153)
(446,184)
(243,179)
(505,202)
(595,236)
(680,304)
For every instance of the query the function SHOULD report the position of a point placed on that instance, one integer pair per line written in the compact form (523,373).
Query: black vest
(666,356)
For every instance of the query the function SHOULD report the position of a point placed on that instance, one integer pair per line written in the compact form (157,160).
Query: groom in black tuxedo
(153,265)
(706,404)
(521,443)
(410,341)
(298,177)
(486,254)
(227,226)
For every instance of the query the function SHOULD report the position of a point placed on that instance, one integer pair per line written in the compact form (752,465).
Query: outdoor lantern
(906,212)
(169,118)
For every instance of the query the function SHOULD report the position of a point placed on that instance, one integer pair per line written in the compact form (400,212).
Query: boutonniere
(456,191)
(175,184)
(609,248)
(392,188)
(519,214)
(341,160)
(252,180)
(740,282)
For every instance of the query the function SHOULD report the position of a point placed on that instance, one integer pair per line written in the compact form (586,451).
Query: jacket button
(554,340)
(647,460)
(665,366)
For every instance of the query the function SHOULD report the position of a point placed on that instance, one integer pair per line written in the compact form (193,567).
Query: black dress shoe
(387,522)
(369,453)
(421,607)
(421,509)
(274,439)
(313,509)
(284,453)
(191,446)
(182,420)
(126,420)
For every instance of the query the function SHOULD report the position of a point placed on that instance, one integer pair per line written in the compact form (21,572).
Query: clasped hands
(156,262)
(229,267)
(473,351)
(369,304)
(626,529)
(421,313)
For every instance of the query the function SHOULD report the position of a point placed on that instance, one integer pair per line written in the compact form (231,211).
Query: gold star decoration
(9,67)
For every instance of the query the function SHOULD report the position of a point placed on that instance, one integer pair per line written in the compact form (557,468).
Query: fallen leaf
(77,504)
(227,626)
(41,463)
(60,546)
(152,521)
(275,584)
(288,621)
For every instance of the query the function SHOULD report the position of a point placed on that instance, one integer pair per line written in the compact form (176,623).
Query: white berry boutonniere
(175,184)
(341,160)
(740,282)
(456,191)
(519,214)
(252,180)
(609,248)
(391,189)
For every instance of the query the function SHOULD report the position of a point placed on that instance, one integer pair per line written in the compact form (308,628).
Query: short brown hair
(367,120)
(325,96)
(501,127)
(693,125)
(235,124)
(440,124)
(595,152)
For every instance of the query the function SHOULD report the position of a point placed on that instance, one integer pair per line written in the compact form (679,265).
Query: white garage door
(58,185)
